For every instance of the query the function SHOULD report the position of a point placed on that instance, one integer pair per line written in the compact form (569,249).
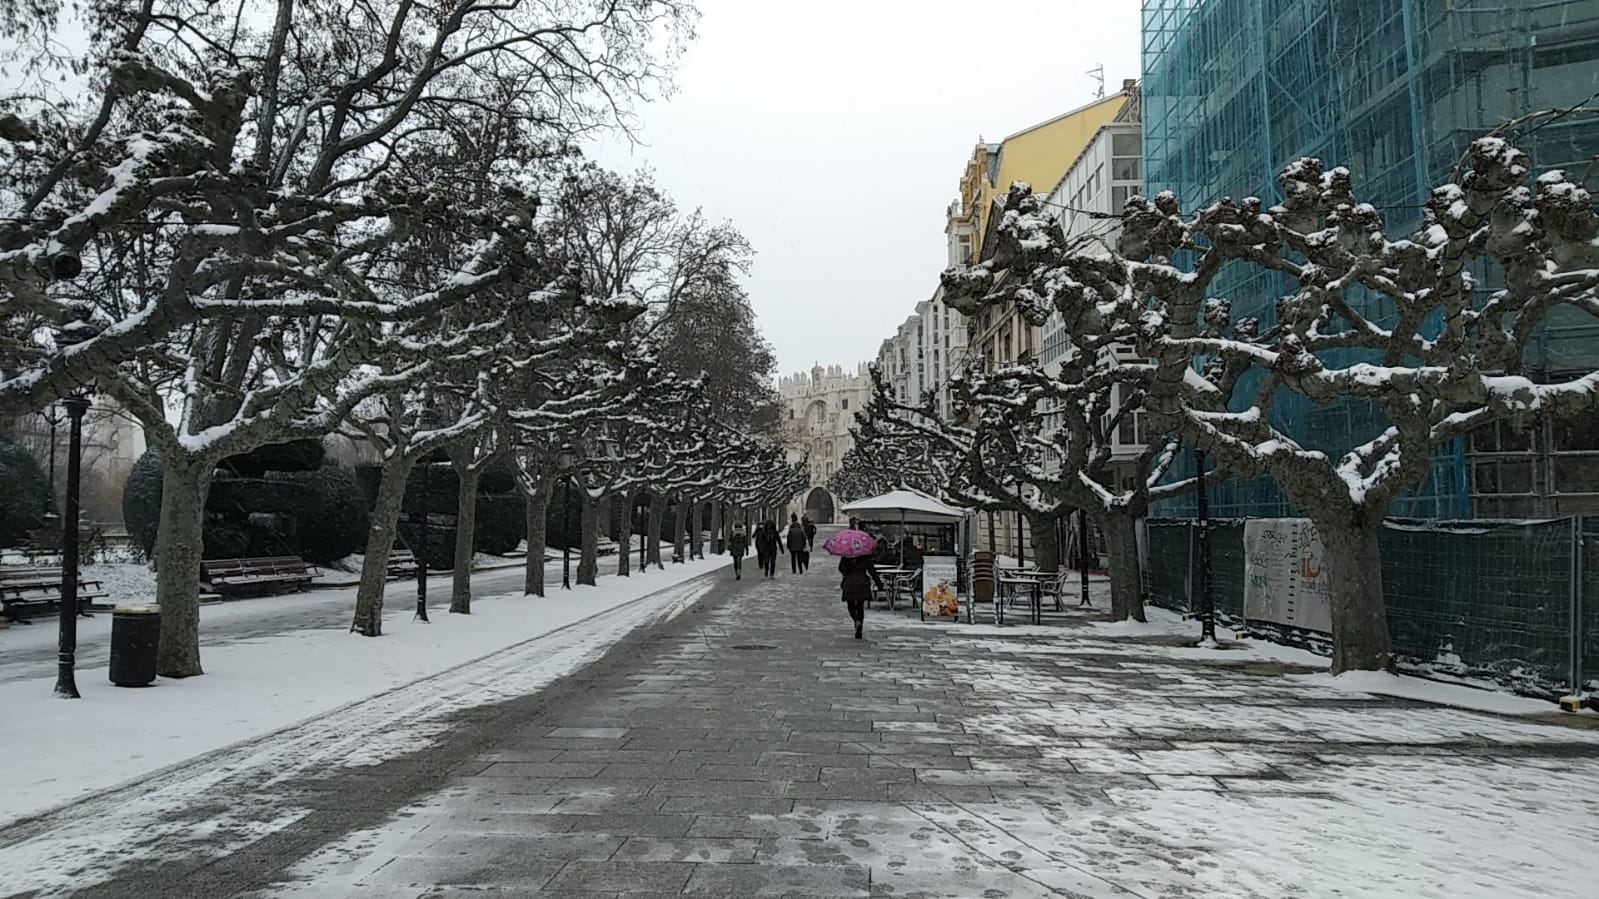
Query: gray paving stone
(758,772)
(514,872)
(688,849)
(778,880)
(618,824)
(542,769)
(588,733)
(697,805)
(723,789)
(619,876)
(758,827)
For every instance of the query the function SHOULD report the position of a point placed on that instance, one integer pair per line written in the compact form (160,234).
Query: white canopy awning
(905,505)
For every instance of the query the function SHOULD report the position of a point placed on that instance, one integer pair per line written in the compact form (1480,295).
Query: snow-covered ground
(59,750)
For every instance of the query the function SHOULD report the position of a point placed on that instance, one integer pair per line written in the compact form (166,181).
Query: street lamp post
(1207,603)
(422,553)
(565,460)
(53,417)
(67,641)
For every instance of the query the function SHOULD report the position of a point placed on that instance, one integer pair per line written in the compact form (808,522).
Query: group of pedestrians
(859,575)
(799,536)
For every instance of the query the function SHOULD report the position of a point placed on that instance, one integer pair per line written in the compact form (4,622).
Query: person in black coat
(767,546)
(737,545)
(799,548)
(859,576)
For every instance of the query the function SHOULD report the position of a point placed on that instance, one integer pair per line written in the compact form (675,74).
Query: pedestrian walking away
(799,548)
(737,545)
(810,533)
(767,546)
(859,577)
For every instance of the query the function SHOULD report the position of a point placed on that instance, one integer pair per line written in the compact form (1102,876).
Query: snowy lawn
(61,750)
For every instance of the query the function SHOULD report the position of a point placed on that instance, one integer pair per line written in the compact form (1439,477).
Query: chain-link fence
(1515,601)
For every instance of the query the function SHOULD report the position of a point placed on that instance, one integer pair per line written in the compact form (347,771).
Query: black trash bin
(135,635)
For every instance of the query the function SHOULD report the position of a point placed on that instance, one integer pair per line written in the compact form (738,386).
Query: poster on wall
(940,597)
(1285,574)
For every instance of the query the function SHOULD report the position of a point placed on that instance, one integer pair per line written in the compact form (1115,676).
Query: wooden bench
(30,590)
(259,576)
(402,563)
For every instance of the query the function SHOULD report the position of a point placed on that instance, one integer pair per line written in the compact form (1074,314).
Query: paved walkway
(750,747)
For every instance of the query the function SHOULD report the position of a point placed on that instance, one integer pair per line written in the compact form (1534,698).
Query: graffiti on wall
(1285,574)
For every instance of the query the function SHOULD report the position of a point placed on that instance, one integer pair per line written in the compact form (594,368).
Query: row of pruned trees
(281,220)
(1430,333)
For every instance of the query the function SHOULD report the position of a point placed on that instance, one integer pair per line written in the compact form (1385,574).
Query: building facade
(1040,156)
(1086,201)
(819,409)
(1393,90)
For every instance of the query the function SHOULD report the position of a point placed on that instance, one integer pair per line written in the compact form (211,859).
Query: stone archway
(819,506)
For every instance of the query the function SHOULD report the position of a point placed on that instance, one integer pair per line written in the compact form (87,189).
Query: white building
(1088,201)
(820,408)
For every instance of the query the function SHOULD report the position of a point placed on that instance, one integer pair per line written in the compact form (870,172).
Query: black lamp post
(1207,602)
(52,415)
(66,687)
(422,553)
(565,460)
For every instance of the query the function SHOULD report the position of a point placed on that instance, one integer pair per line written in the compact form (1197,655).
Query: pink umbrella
(850,544)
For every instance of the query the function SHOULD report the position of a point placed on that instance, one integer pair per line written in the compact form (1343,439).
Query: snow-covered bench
(402,563)
(33,590)
(261,575)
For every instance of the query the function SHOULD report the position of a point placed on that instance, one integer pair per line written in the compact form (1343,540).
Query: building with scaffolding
(1393,90)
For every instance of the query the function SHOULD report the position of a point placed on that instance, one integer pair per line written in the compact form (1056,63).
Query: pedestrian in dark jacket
(767,546)
(810,532)
(799,549)
(859,576)
(737,545)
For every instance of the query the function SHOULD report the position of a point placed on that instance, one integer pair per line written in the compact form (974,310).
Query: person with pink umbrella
(854,547)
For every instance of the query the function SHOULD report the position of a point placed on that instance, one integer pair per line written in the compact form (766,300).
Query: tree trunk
(588,564)
(653,538)
(718,539)
(538,504)
(696,538)
(1046,542)
(465,531)
(1126,581)
(624,553)
(1359,616)
(680,527)
(178,544)
(605,517)
(379,541)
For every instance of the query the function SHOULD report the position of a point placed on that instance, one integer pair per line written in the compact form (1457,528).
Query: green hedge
(501,523)
(324,515)
(440,555)
(296,455)
(24,494)
(333,522)
(141,501)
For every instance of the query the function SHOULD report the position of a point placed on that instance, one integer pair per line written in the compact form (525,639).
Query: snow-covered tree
(1058,431)
(242,202)
(991,453)
(1403,326)
(885,455)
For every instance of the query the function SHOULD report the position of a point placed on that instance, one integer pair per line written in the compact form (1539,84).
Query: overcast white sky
(833,134)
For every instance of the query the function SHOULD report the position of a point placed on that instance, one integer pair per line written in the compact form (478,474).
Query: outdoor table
(894,578)
(1033,580)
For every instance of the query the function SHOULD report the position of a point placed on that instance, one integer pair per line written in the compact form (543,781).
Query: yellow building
(1039,156)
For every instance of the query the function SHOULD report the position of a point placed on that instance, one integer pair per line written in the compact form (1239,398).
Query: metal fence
(1513,601)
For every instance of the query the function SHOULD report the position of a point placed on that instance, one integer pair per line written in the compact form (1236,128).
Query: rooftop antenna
(1098,74)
